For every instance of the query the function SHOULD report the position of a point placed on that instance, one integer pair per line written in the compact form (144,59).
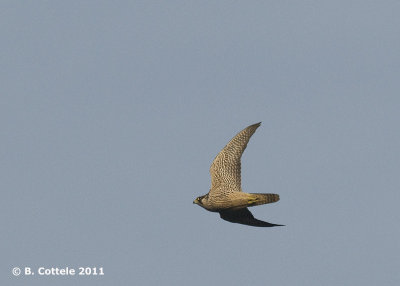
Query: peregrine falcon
(225,195)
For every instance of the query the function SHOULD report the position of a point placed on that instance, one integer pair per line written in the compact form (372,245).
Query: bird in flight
(226,195)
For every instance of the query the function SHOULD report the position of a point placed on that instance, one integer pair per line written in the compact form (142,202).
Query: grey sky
(111,114)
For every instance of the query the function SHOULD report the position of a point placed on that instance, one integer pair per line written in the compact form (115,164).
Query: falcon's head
(201,200)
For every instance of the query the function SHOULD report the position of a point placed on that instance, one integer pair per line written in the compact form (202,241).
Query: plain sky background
(112,112)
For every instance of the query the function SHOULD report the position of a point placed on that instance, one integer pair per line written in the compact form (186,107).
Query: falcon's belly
(231,200)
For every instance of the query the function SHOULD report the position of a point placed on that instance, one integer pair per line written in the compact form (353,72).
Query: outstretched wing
(225,169)
(244,216)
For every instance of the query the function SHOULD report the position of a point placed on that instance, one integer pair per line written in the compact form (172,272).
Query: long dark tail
(261,199)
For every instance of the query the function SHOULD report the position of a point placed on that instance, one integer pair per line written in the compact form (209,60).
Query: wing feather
(244,216)
(225,170)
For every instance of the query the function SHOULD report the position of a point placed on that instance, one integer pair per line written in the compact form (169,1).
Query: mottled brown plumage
(225,195)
